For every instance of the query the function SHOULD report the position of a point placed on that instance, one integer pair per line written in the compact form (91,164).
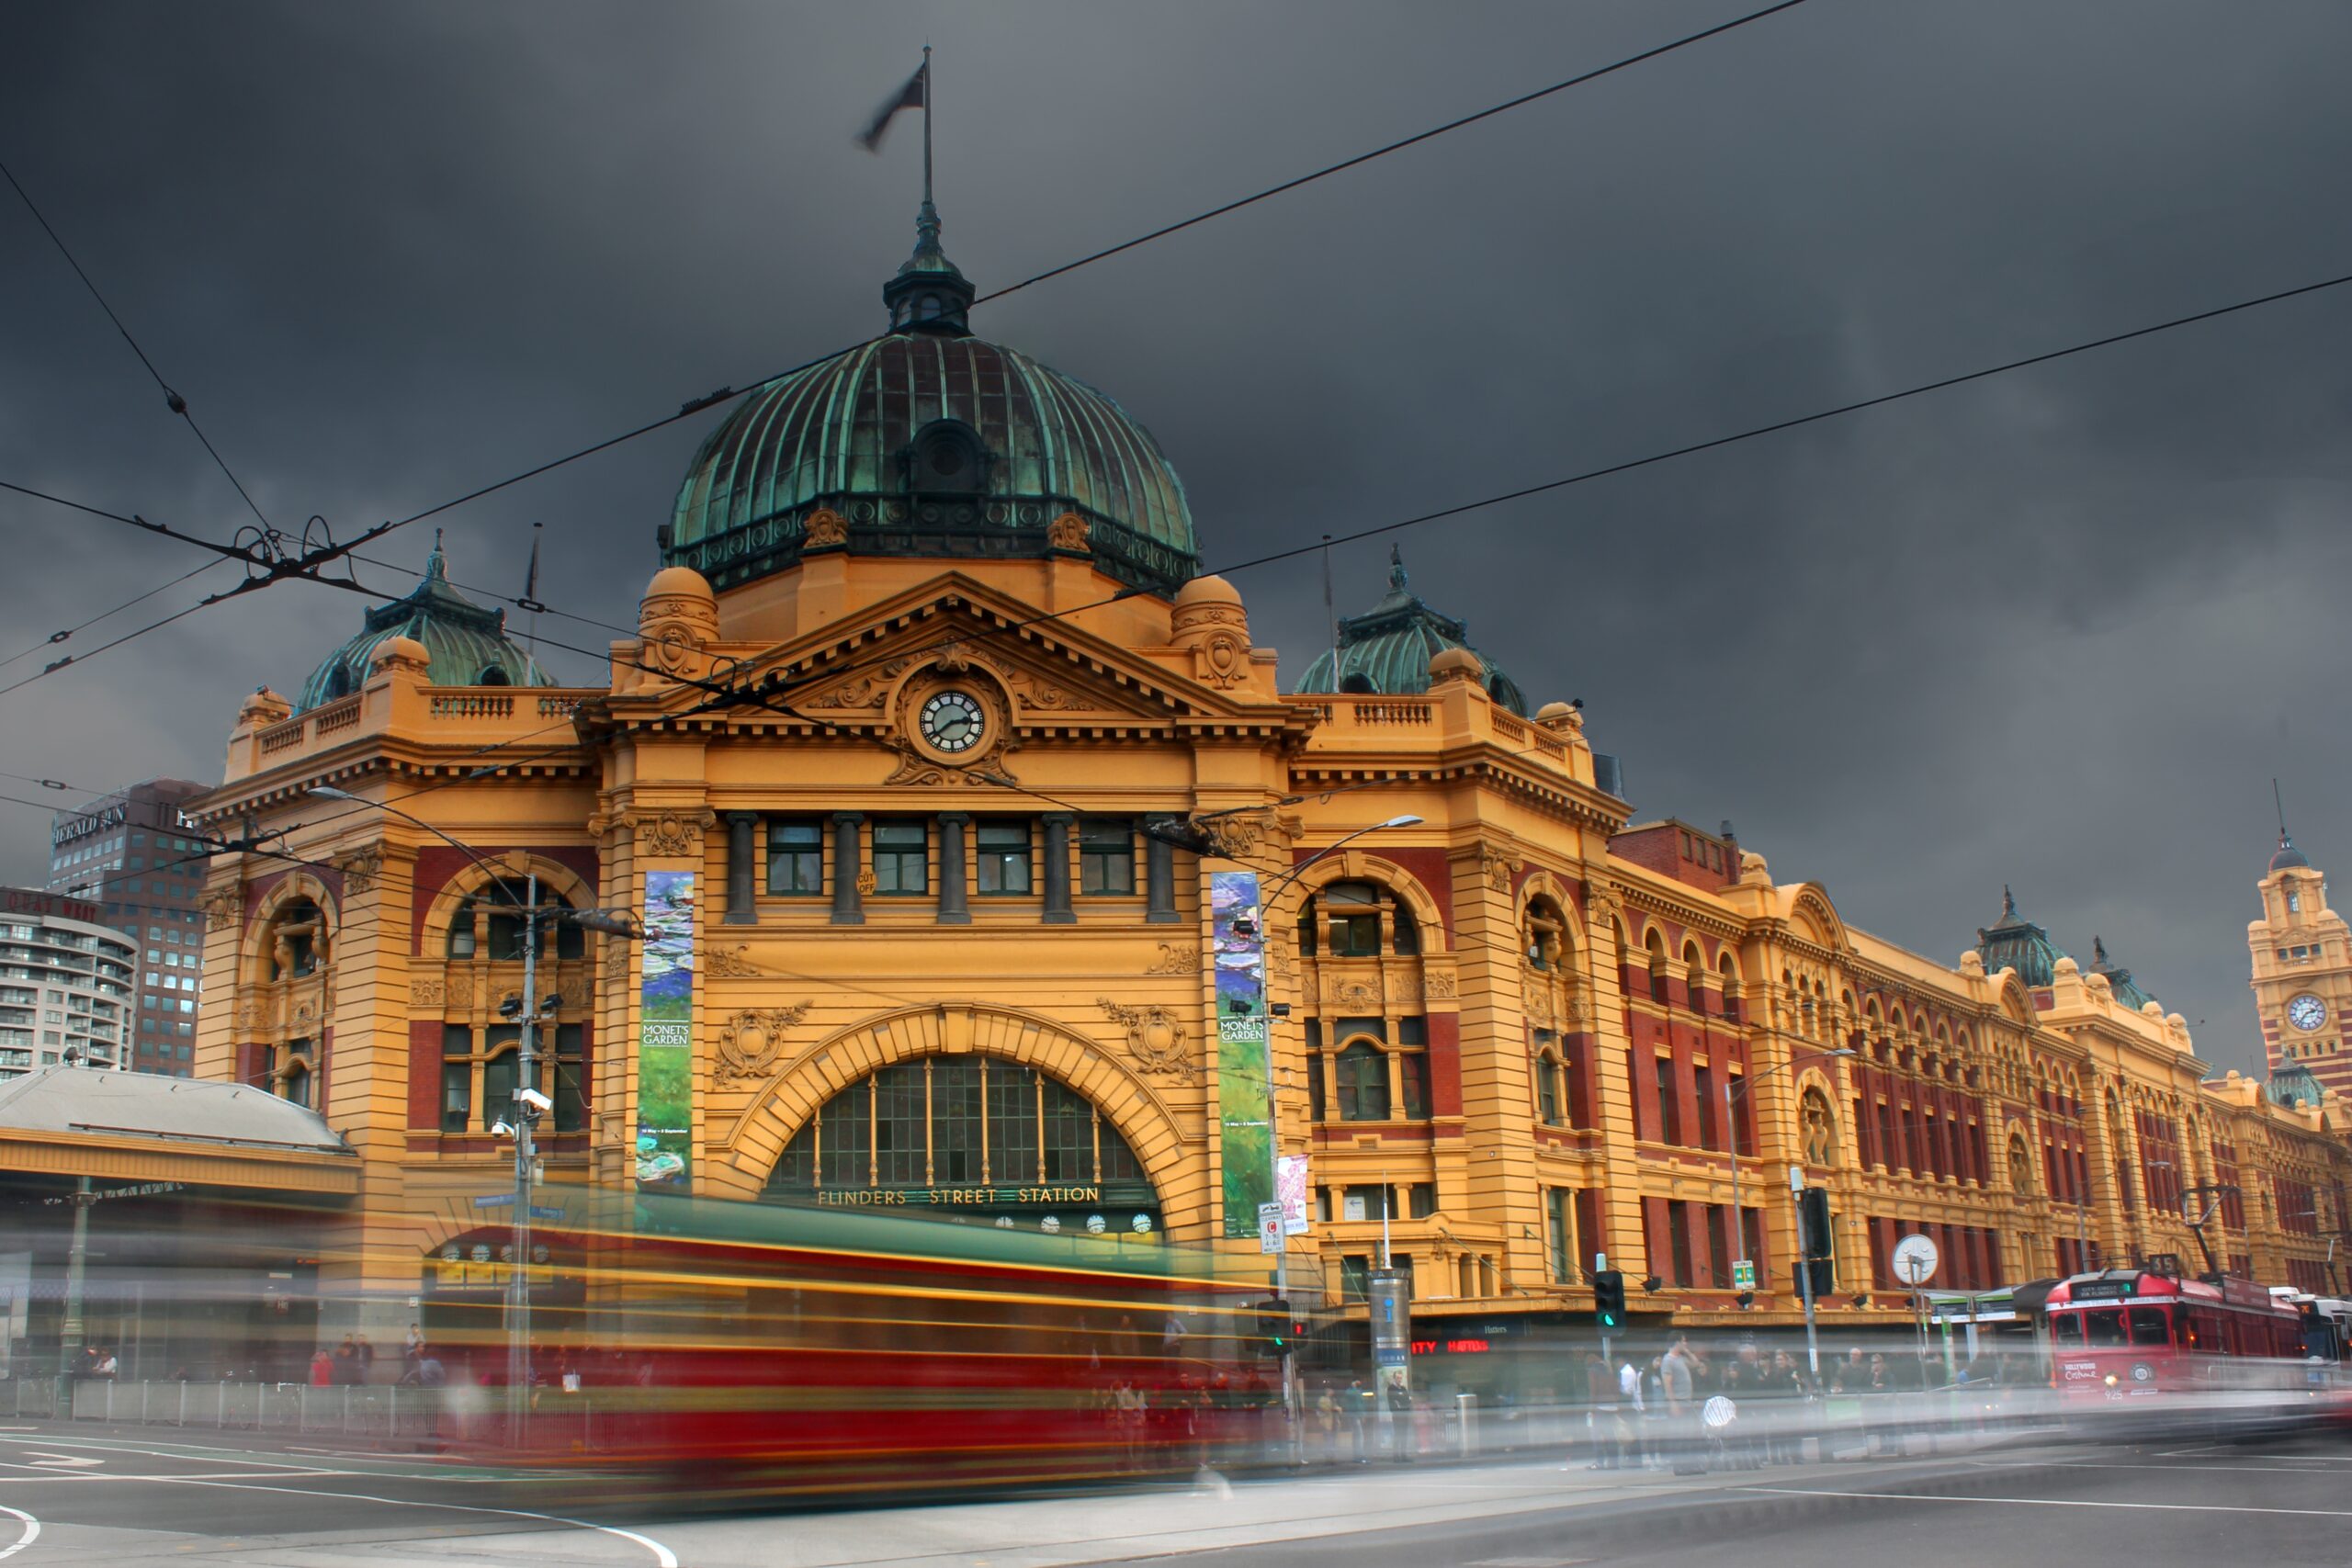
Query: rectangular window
(1106,856)
(797,858)
(1003,857)
(1413,1071)
(901,857)
(1547,1087)
(1315,1106)
(1424,1200)
(456,1096)
(1719,1246)
(1561,1251)
(1677,1231)
(1355,1277)
(498,1075)
(1702,1084)
(571,1102)
(1670,1104)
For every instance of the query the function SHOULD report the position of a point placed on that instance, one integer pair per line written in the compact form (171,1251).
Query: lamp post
(522,1119)
(1733,1088)
(1274,1140)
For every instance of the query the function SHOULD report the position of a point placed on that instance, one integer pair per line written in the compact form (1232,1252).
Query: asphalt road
(127,1500)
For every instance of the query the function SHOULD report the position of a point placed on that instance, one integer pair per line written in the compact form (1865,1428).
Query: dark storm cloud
(2056,629)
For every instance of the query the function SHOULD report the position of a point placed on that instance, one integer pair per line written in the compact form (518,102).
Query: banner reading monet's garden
(665,1035)
(1241,1104)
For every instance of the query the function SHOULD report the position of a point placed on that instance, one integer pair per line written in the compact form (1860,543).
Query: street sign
(1270,1228)
(540,1211)
(1914,1260)
(1743,1275)
(496,1201)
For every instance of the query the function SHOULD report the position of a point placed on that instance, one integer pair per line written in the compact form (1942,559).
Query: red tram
(2129,1334)
(777,1350)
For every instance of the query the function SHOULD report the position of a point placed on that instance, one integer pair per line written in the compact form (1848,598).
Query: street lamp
(1274,1123)
(1732,1088)
(528,1011)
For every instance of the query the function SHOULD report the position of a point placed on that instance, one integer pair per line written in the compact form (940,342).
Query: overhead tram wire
(58,638)
(308,563)
(1751,434)
(171,399)
(733,390)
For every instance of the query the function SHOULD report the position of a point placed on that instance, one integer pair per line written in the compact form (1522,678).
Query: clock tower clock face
(2307,1012)
(952,721)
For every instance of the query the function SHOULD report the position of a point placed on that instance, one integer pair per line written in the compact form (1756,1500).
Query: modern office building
(129,855)
(65,983)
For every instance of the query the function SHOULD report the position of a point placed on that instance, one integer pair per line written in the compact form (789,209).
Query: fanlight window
(1820,1128)
(489,924)
(954,1121)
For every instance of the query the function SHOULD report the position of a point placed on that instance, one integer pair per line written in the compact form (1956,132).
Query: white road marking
(662,1556)
(60,1462)
(2052,1502)
(33,1530)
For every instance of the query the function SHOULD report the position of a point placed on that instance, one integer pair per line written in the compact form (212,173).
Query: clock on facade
(952,721)
(2307,1012)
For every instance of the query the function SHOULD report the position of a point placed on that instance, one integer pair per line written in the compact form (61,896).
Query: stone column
(742,870)
(847,909)
(954,910)
(1160,876)
(1055,845)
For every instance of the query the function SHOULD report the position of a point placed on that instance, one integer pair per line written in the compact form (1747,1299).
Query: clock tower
(2302,972)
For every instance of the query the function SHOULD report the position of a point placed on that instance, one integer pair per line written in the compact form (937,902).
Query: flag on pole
(913,95)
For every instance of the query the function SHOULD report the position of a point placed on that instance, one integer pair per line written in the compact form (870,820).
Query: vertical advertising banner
(1240,943)
(1290,1191)
(665,1072)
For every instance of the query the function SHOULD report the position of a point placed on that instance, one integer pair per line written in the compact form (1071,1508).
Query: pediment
(855,674)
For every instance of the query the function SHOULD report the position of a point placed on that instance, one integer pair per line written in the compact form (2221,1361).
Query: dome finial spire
(2009,903)
(929,294)
(436,565)
(1396,566)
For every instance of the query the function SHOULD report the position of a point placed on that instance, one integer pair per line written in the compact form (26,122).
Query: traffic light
(1824,1275)
(1608,1299)
(1813,1220)
(1275,1327)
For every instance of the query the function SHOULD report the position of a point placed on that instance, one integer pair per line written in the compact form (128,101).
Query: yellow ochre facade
(934,709)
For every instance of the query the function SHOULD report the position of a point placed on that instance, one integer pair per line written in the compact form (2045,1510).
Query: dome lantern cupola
(930,293)
(2014,942)
(466,644)
(1387,650)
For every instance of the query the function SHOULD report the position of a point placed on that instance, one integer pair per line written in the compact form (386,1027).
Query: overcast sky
(2058,629)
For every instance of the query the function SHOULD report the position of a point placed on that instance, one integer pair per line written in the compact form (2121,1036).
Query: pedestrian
(1785,1440)
(1678,1373)
(322,1368)
(1397,1406)
(366,1355)
(107,1367)
(1631,1413)
(1601,1411)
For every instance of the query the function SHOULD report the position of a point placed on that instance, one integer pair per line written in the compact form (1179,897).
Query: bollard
(1466,1407)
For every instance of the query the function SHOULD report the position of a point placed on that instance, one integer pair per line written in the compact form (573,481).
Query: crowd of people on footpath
(1653,1414)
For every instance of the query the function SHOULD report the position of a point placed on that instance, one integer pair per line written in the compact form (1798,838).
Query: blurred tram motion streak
(733,1348)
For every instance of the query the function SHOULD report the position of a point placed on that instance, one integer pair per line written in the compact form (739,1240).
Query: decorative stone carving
(1600,902)
(1235,836)
(1499,870)
(1356,995)
(252,1016)
(360,868)
(1067,532)
(576,991)
(1536,999)
(750,1043)
(673,834)
(429,994)
(1438,987)
(1156,1039)
(825,530)
(866,691)
(675,627)
(224,909)
(955,658)
(732,964)
(1221,659)
(617,953)
(1176,959)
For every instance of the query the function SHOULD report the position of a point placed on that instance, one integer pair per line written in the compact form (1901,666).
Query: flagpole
(927,125)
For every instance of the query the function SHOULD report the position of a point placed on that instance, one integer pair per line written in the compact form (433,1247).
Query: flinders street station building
(983,860)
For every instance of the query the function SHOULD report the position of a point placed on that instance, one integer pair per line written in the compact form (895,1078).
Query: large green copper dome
(469,644)
(2014,942)
(1387,649)
(930,442)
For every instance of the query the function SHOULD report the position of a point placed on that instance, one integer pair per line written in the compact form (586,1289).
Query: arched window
(1654,945)
(947,456)
(1362,1073)
(492,675)
(1356,684)
(339,681)
(489,924)
(1548,1099)
(1405,932)
(1694,976)
(1820,1128)
(1352,911)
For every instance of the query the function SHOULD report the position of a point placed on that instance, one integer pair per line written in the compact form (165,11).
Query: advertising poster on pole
(665,1035)
(1242,1111)
(1290,1187)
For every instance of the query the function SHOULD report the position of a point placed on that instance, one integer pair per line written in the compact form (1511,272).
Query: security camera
(535,1100)
(502,1128)
(511,1008)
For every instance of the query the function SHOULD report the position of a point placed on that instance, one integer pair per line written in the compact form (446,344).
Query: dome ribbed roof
(469,644)
(2288,857)
(2014,942)
(2125,990)
(1388,650)
(930,442)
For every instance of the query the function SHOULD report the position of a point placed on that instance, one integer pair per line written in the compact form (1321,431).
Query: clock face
(2307,1011)
(952,721)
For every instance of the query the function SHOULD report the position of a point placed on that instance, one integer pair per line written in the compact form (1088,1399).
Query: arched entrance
(977,1138)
